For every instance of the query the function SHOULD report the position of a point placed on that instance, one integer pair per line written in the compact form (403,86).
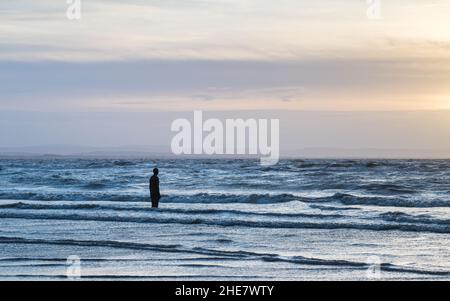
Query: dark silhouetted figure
(154,188)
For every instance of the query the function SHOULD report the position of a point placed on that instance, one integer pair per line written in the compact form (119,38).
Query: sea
(224,219)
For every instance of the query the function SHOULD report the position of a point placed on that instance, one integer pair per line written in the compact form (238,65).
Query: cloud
(203,29)
(314,84)
(289,53)
(203,97)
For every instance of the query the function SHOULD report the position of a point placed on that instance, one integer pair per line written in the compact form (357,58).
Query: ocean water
(225,219)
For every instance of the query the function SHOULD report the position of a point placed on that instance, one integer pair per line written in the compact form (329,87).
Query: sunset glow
(338,58)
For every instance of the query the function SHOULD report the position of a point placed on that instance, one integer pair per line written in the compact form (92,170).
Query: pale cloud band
(219,29)
(221,85)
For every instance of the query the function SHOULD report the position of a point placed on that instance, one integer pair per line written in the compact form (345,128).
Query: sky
(226,55)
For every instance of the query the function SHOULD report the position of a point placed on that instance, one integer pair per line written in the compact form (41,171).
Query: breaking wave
(235,255)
